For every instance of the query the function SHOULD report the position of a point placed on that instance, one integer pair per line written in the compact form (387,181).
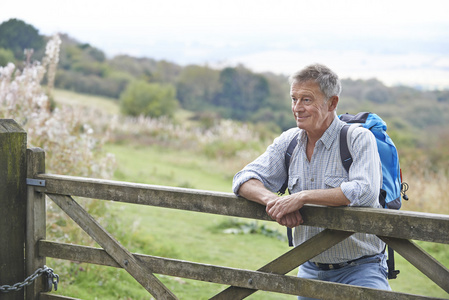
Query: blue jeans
(366,272)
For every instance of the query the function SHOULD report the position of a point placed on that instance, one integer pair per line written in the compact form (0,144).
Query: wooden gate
(396,228)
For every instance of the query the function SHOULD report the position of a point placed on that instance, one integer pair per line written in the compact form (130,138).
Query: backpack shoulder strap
(346,157)
(345,145)
(288,154)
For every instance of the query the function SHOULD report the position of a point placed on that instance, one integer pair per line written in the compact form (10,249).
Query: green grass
(109,105)
(165,166)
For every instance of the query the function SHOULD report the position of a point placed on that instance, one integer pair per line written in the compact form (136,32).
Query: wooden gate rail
(384,222)
(246,279)
(393,227)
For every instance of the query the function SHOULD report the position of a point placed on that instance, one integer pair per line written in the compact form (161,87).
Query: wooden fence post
(13,143)
(36,222)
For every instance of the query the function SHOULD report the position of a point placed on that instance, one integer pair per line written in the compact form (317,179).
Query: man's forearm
(283,206)
(254,190)
(327,197)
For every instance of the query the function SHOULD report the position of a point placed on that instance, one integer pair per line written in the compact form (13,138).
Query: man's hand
(281,207)
(285,210)
(255,191)
(291,220)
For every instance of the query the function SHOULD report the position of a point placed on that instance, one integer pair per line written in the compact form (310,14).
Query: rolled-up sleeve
(365,174)
(269,168)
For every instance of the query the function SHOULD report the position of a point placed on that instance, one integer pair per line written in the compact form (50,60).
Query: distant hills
(233,92)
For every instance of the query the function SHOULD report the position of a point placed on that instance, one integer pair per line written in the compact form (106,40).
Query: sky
(396,41)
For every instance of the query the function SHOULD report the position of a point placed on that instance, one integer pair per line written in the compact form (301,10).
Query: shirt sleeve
(365,174)
(269,168)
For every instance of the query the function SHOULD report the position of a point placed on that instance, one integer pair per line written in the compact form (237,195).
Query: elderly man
(317,176)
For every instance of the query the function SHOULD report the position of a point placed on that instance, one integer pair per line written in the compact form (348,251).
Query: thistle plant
(51,60)
(70,143)
(68,140)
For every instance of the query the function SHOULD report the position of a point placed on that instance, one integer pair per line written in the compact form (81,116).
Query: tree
(142,68)
(166,72)
(17,36)
(82,58)
(197,86)
(243,93)
(378,94)
(149,99)
(442,96)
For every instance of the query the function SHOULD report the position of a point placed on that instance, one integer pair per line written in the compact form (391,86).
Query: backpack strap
(346,157)
(290,236)
(358,118)
(345,145)
(288,154)
(392,272)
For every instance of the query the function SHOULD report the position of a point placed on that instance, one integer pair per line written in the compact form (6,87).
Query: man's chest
(322,170)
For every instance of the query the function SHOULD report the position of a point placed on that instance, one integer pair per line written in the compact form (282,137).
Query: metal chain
(53,279)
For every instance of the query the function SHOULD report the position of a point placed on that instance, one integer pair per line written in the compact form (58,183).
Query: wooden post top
(10,126)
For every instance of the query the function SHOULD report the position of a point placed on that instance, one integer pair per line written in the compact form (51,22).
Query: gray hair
(328,81)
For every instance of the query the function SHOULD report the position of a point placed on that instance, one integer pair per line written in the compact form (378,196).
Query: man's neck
(313,137)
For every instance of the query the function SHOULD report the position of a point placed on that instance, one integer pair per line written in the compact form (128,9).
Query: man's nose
(298,105)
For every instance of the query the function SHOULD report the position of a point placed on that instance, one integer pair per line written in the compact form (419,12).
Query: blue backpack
(392,187)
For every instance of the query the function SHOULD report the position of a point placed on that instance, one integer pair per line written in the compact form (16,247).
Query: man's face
(309,106)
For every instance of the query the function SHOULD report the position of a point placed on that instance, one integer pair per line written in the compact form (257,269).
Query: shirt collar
(332,132)
(329,136)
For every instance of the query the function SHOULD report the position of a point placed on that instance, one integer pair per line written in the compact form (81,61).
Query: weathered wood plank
(223,275)
(424,262)
(291,260)
(161,196)
(399,224)
(46,296)
(13,193)
(122,256)
(36,223)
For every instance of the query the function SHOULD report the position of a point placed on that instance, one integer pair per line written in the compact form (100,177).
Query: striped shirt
(325,170)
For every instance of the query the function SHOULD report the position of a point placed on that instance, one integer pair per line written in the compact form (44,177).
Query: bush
(111,86)
(6,56)
(149,99)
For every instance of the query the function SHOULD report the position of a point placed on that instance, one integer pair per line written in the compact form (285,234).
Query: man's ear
(332,103)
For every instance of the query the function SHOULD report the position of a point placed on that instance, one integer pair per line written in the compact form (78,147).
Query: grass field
(191,236)
(71,98)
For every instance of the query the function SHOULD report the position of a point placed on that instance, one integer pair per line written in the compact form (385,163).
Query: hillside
(236,92)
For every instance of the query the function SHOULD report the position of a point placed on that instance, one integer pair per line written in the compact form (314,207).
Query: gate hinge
(35,182)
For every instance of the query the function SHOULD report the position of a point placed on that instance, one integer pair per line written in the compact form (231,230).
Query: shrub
(149,99)
(6,56)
